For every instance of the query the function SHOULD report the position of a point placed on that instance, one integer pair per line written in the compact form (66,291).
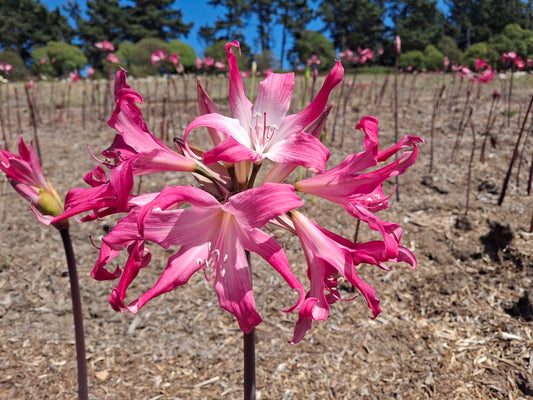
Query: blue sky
(198,12)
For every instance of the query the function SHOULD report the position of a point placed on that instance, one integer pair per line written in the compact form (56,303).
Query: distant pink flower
(398,44)
(5,67)
(25,174)
(346,55)
(42,61)
(158,56)
(90,71)
(380,51)
(105,45)
(209,61)
(74,77)
(314,60)
(198,63)
(113,58)
(365,55)
(519,64)
(220,65)
(529,62)
(174,59)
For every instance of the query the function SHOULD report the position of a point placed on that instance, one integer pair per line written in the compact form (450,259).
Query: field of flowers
(459,327)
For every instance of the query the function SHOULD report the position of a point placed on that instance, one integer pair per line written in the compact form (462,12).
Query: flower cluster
(214,224)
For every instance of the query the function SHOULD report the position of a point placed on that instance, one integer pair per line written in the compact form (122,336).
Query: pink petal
(274,98)
(255,207)
(241,107)
(302,149)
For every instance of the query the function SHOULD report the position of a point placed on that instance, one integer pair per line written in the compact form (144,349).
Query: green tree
(293,16)
(19,71)
(264,11)
(106,20)
(418,23)
(229,26)
(218,52)
(478,20)
(354,23)
(139,61)
(67,57)
(155,18)
(309,43)
(449,48)
(186,53)
(28,23)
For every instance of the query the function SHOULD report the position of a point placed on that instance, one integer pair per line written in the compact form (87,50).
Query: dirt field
(460,327)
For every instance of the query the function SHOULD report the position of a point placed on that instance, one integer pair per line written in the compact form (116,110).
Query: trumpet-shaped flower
(360,192)
(213,227)
(264,130)
(25,174)
(212,237)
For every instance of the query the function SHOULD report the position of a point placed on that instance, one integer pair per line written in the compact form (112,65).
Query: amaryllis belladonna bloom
(111,57)
(105,45)
(25,174)
(214,225)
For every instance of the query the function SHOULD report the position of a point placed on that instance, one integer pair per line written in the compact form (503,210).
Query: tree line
(28,25)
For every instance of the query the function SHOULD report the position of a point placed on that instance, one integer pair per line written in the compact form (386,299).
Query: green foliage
(186,53)
(480,50)
(266,60)
(19,71)
(417,22)
(309,43)
(127,53)
(414,58)
(67,58)
(433,58)
(353,23)
(28,23)
(155,19)
(449,48)
(218,52)
(139,61)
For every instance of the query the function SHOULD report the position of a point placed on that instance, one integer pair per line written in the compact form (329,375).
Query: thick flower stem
(249,365)
(249,354)
(83,391)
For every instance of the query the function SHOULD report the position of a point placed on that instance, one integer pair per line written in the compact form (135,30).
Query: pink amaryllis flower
(158,56)
(212,237)
(112,58)
(214,225)
(105,45)
(264,130)
(25,174)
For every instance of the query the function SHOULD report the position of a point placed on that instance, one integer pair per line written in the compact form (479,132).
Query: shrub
(433,58)
(186,53)
(67,57)
(19,71)
(414,58)
(309,43)
(448,47)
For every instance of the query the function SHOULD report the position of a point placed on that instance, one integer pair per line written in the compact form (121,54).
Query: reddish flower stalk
(33,121)
(462,124)
(470,164)
(488,127)
(432,132)
(514,156)
(17,106)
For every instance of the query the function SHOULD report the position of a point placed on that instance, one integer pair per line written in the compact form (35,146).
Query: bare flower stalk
(432,133)
(33,122)
(470,164)
(515,155)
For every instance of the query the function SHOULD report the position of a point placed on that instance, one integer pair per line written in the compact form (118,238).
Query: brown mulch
(460,327)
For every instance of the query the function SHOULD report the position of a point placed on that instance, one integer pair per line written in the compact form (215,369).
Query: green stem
(83,391)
